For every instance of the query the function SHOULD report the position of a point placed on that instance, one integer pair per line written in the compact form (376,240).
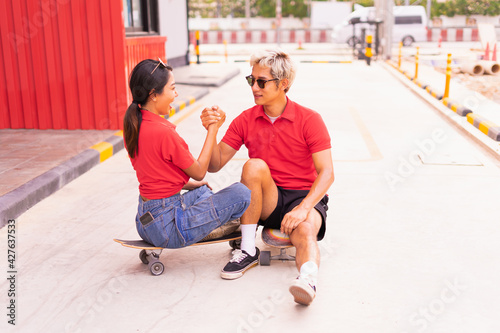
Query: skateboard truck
(274,238)
(152,259)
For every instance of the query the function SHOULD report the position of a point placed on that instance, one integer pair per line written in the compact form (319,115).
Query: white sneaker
(302,290)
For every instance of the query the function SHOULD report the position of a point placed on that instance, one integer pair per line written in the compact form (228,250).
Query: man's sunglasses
(160,62)
(261,83)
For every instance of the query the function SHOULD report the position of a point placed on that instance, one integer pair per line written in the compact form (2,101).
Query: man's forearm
(318,189)
(214,164)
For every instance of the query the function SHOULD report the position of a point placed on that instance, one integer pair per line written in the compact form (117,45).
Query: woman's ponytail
(131,126)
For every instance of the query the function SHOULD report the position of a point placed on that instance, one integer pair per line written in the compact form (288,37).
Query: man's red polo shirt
(162,156)
(286,146)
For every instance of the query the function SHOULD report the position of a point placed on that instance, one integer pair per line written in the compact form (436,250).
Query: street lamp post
(278,22)
(247,12)
(384,10)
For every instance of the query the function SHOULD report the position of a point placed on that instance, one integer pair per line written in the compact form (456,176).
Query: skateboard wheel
(156,268)
(144,257)
(235,244)
(265,258)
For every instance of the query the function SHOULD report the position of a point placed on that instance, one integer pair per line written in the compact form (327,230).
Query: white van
(410,25)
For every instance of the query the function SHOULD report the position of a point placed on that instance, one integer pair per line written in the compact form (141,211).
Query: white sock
(309,270)
(248,238)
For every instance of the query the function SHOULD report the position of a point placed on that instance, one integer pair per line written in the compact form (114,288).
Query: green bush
(299,8)
(451,8)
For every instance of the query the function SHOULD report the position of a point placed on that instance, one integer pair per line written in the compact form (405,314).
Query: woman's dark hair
(147,77)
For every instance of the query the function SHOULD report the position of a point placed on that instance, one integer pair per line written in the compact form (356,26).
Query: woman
(164,165)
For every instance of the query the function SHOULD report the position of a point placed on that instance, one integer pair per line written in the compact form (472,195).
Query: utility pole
(278,22)
(219,9)
(384,12)
(309,10)
(428,13)
(247,13)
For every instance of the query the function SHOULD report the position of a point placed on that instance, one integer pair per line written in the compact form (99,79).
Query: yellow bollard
(448,76)
(399,56)
(225,49)
(368,49)
(197,47)
(416,63)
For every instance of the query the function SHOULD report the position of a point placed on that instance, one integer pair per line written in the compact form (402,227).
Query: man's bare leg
(304,238)
(257,177)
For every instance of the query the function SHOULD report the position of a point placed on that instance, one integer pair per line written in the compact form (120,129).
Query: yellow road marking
(185,114)
(375,153)
(105,150)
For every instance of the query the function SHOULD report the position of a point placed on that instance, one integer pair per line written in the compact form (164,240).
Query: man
(289,171)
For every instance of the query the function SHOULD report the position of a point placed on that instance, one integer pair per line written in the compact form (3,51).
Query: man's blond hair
(280,63)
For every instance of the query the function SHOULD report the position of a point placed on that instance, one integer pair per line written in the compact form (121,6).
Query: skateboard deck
(275,238)
(141,244)
(150,254)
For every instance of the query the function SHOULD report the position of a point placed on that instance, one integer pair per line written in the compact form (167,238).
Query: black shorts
(289,199)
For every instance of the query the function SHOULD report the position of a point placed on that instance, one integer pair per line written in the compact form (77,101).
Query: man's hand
(293,218)
(212,115)
(193,184)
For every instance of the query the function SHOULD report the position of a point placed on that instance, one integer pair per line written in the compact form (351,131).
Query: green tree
(296,8)
(299,8)
(465,7)
(236,8)
(266,8)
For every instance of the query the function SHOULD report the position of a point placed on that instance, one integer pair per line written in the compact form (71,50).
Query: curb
(27,195)
(19,200)
(461,123)
(294,35)
(489,128)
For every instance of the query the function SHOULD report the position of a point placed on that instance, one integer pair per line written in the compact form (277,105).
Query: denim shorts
(184,219)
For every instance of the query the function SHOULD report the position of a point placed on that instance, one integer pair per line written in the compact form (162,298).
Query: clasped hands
(212,116)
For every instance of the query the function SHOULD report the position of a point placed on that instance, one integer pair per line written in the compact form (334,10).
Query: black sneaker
(240,262)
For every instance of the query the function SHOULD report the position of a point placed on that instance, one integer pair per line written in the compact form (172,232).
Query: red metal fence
(64,63)
(140,48)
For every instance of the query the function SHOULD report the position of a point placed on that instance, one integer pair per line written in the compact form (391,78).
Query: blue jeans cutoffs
(184,219)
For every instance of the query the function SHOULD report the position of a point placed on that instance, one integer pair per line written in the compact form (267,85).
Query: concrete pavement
(39,162)
(411,240)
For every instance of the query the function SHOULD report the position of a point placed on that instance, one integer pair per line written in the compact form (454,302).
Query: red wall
(140,48)
(62,64)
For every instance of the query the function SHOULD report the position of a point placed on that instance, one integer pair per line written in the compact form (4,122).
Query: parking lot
(411,243)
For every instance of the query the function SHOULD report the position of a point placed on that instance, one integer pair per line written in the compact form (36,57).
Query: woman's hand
(212,115)
(193,184)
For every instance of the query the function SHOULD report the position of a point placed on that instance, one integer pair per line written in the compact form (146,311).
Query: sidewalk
(36,163)
(469,109)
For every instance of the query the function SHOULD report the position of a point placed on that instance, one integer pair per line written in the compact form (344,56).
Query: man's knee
(254,168)
(305,231)
(309,229)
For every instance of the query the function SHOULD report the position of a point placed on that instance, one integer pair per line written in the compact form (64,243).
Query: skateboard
(275,238)
(150,254)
